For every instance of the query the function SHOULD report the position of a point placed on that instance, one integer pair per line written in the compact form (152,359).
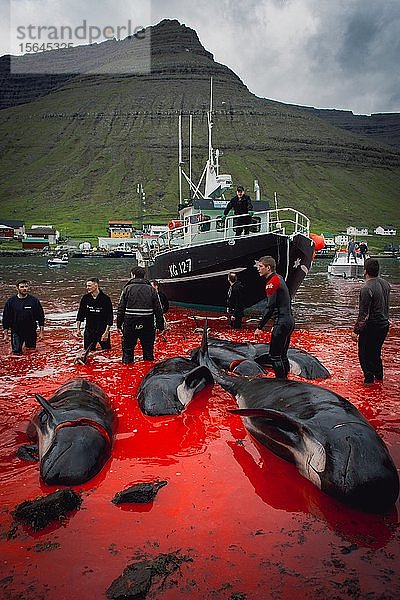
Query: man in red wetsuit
(279,304)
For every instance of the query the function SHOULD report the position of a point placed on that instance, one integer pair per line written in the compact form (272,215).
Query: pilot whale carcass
(225,352)
(322,433)
(171,385)
(74,431)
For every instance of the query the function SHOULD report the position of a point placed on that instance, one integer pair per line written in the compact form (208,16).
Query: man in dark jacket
(235,301)
(139,307)
(22,313)
(241,205)
(279,305)
(363,249)
(351,250)
(372,323)
(96,309)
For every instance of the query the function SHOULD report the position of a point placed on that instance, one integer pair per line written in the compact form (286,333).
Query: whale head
(75,455)
(359,469)
(71,452)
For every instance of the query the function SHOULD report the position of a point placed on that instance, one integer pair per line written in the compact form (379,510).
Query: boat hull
(350,271)
(197,276)
(59,264)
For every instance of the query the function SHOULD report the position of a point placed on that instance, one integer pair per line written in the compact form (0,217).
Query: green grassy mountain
(73,153)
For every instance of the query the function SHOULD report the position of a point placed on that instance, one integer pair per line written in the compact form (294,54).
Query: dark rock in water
(139,493)
(136,579)
(28,452)
(40,512)
(134,583)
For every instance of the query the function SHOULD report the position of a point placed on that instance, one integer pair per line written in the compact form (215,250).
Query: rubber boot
(278,367)
(127,357)
(286,364)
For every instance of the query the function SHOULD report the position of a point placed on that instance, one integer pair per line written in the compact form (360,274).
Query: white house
(385,230)
(357,231)
(155,229)
(341,240)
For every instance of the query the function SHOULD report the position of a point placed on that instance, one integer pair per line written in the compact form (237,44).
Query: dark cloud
(325,53)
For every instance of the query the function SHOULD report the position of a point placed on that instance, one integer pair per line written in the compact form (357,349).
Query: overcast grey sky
(324,53)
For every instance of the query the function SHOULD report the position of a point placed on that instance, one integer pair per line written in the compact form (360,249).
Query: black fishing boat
(193,258)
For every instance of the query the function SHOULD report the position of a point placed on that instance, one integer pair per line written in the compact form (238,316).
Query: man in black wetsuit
(139,313)
(235,301)
(363,249)
(279,303)
(372,323)
(96,309)
(22,313)
(241,205)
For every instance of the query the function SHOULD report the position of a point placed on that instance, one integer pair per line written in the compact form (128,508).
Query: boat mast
(210,124)
(215,184)
(190,151)
(180,163)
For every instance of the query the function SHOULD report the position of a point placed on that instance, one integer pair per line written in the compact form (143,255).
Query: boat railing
(284,221)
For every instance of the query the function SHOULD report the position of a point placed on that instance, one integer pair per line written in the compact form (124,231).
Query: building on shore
(18,227)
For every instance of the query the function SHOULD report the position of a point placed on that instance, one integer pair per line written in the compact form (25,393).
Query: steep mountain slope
(74,156)
(383,127)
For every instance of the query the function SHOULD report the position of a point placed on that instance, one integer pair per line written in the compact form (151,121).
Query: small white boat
(58,261)
(348,268)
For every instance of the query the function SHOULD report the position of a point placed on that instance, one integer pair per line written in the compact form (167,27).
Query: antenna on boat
(190,151)
(210,124)
(276,209)
(257,190)
(180,163)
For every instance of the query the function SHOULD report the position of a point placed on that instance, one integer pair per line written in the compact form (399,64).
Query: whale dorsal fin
(266,413)
(45,404)
(277,421)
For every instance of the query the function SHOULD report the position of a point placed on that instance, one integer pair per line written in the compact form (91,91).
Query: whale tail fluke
(82,358)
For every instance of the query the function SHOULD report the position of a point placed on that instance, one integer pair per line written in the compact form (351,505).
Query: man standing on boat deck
(241,205)
(363,249)
(372,323)
(279,302)
(351,250)
(22,313)
(96,308)
(139,313)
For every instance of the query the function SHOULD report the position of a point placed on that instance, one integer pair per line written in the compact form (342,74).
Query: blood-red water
(252,525)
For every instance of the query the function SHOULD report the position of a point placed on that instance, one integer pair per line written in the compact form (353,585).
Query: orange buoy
(174,224)
(319,241)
